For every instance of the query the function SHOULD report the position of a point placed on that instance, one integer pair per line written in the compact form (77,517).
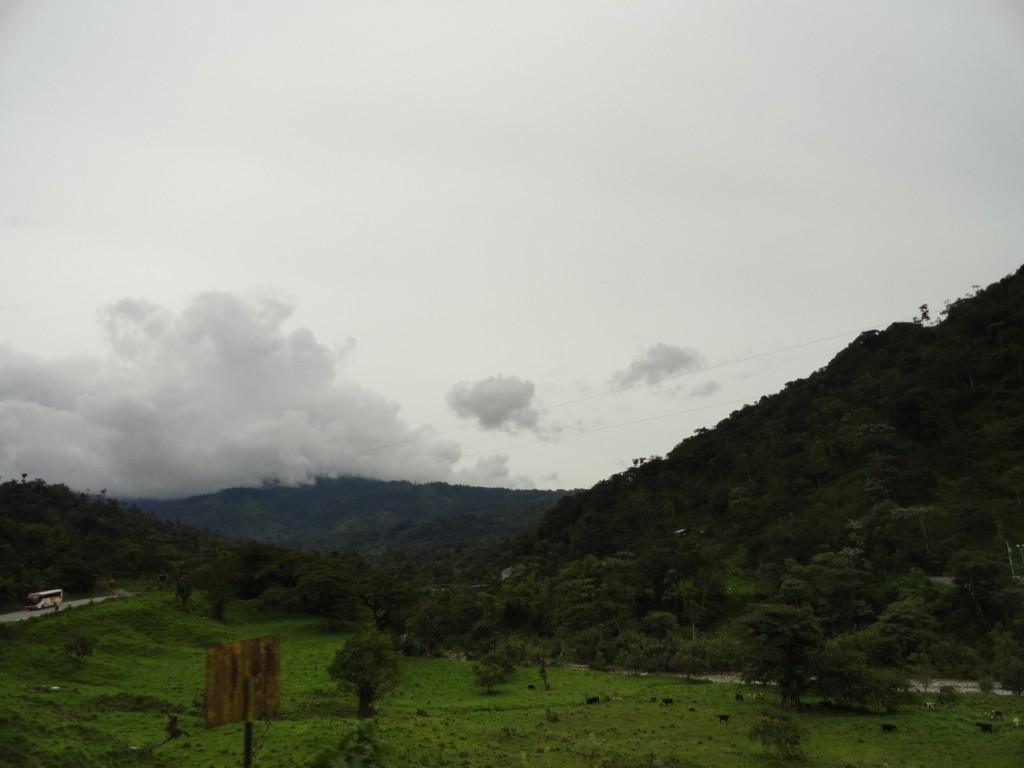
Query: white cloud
(220,394)
(500,402)
(659,362)
(492,470)
(705,389)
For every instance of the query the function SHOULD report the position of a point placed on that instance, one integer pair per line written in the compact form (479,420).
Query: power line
(606,393)
(580,432)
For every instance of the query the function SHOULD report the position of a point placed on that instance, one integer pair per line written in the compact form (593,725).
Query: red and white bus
(48,598)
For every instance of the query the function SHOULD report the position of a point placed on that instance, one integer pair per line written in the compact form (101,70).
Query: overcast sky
(513,244)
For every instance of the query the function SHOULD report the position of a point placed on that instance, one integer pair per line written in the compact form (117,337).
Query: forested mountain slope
(52,536)
(370,516)
(911,442)
(811,525)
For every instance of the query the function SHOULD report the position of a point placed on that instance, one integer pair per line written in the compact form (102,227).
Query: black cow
(888,727)
(985,727)
(739,697)
(723,719)
(668,701)
(593,699)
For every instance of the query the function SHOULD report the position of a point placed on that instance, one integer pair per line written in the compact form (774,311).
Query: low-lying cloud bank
(218,395)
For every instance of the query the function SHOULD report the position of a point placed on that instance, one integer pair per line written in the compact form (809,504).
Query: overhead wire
(606,393)
(581,432)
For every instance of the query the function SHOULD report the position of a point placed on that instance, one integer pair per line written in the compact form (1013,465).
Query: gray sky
(512,244)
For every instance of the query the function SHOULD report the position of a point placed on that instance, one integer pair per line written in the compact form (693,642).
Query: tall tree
(1008,661)
(979,577)
(367,666)
(781,641)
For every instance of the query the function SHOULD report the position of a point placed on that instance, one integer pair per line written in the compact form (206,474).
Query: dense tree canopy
(51,536)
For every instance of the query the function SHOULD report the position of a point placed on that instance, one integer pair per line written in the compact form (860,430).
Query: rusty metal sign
(243,680)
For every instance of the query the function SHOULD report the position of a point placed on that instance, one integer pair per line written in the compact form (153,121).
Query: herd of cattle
(722,718)
(996,714)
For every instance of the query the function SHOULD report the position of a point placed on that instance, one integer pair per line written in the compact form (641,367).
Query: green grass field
(149,662)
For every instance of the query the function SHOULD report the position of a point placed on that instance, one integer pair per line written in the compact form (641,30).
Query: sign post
(243,682)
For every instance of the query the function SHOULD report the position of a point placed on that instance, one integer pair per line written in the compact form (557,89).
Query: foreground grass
(149,664)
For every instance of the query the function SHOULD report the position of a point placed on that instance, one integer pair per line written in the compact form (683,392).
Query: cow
(593,699)
(723,719)
(666,702)
(739,697)
(985,727)
(888,727)
(531,687)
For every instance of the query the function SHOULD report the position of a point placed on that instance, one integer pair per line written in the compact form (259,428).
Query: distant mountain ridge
(375,517)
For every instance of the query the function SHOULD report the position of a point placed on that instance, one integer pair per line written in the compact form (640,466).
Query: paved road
(20,615)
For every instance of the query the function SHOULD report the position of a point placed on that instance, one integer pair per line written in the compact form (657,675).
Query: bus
(48,598)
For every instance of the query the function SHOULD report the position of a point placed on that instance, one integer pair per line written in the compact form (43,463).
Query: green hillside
(910,441)
(371,516)
(879,499)
(52,536)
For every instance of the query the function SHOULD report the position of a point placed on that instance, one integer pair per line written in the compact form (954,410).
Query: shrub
(948,694)
(886,689)
(488,675)
(778,733)
(79,648)
(359,748)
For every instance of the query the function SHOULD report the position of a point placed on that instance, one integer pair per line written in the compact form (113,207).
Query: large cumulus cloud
(220,394)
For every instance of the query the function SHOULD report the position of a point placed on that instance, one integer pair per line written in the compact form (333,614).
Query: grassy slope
(150,656)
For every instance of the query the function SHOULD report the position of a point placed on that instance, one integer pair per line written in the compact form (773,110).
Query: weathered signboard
(243,680)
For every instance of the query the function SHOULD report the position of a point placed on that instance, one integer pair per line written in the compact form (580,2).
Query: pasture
(112,709)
